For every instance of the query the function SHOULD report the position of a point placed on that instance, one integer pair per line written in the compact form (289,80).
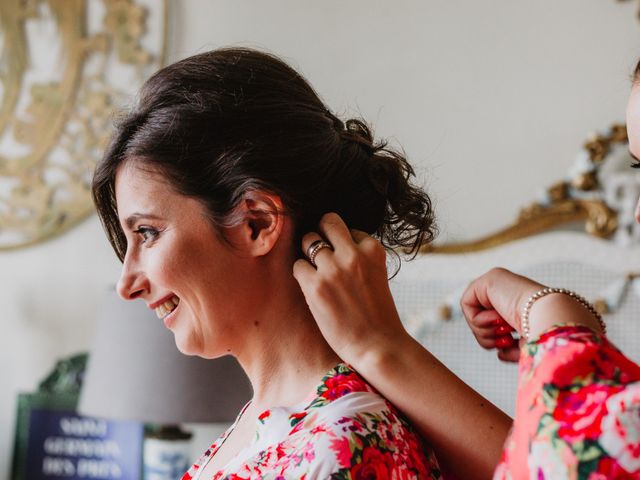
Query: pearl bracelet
(546,291)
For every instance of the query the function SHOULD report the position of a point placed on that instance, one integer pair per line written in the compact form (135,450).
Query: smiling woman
(205,192)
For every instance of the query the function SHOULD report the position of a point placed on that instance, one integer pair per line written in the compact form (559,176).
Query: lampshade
(135,372)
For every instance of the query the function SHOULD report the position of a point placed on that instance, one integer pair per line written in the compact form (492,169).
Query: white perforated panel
(419,297)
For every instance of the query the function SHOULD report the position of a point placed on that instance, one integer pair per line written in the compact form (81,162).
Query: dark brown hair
(224,122)
(636,73)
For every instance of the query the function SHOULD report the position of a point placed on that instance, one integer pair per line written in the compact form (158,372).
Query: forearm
(465,429)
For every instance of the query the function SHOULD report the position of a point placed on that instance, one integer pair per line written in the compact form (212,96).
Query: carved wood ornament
(65,67)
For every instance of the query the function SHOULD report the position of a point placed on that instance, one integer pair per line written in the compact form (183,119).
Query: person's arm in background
(350,299)
(578,405)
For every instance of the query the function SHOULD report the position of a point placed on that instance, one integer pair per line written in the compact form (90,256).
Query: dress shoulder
(344,430)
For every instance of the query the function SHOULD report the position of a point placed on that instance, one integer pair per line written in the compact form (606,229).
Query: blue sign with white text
(65,445)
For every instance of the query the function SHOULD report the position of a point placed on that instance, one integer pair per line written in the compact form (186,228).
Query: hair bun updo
(222,123)
(399,213)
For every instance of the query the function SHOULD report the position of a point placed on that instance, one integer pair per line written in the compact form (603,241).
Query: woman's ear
(262,224)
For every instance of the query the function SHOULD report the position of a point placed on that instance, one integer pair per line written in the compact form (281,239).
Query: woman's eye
(147,233)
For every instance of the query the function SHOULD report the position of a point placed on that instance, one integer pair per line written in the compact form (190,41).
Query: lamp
(135,372)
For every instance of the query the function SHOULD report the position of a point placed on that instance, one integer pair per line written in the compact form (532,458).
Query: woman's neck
(284,354)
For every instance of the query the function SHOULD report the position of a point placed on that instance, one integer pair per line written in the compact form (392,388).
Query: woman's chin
(189,343)
(186,346)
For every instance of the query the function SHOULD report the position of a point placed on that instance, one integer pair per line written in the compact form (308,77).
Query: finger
(503,328)
(486,333)
(373,250)
(485,336)
(487,318)
(509,354)
(308,239)
(322,254)
(304,273)
(497,343)
(492,332)
(333,228)
(505,341)
(475,299)
(487,343)
(358,235)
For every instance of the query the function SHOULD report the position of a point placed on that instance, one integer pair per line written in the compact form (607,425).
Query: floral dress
(577,412)
(344,430)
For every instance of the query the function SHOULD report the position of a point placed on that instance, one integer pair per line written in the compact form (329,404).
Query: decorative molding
(66,66)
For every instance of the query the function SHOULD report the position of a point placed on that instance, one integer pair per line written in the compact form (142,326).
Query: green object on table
(60,390)
(66,377)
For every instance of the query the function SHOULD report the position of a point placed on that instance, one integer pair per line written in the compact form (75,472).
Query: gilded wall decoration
(65,67)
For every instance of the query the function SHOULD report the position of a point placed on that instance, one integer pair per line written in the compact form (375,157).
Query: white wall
(491,100)
(50,294)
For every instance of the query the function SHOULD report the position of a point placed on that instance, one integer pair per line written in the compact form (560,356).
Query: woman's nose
(132,282)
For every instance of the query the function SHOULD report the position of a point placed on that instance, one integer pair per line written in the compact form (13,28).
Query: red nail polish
(504,342)
(503,330)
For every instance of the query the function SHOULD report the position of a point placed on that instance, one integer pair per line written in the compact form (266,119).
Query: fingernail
(504,342)
(503,329)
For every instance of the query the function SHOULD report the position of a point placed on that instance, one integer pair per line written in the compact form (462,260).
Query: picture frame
(54,442)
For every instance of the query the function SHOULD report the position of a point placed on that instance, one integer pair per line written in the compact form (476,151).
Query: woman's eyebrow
(131,219)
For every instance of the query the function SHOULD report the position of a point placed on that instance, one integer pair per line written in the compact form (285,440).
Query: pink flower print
(549,463)
(296,418)
(342,450)
(319,429)
(264,415)
(340,385)
(621,428)
(607,469)
(580,413)
(309,452)
(281,452)
(375,465)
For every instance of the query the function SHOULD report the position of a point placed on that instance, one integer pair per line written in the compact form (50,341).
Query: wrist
(383,354)
(526,294)
(560,308)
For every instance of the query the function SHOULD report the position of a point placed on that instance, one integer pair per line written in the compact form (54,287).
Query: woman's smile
(168,314)
(165,306)
(179,264)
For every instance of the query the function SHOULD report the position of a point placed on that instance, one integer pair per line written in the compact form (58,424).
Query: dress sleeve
(577,411)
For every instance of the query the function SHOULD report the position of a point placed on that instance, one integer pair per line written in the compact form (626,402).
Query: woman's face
(178,264)
(633,128)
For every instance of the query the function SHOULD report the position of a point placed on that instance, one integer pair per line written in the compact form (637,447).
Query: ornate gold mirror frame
(65,67)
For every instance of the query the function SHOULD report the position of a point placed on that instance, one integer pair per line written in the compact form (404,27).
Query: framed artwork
(54,442)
